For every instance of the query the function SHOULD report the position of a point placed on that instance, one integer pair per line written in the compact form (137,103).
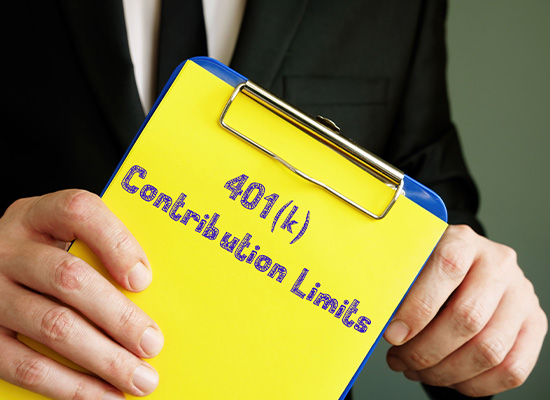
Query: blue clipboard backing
(414,190)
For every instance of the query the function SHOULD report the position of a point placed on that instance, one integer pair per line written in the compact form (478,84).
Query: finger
(443,272)
(485,351)
(517,365)
(71,280)
(67,333)
(77,214)
(466,313)
(30,370)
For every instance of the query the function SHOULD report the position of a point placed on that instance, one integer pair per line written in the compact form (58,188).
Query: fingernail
(396,364)
(113,396)
(397,332)
(145,379)
(152,341)
(140,277)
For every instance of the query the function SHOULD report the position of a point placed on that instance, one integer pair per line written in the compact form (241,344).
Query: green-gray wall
(499,80)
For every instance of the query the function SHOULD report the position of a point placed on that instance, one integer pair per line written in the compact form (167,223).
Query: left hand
(471,321)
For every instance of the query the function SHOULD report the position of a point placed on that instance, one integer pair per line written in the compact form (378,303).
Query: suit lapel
(266,33)
(99,34)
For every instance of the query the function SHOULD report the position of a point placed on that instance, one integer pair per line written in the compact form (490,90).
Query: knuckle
(420,359)
(129,318)
(539,317)
(12,220)
(464,231)
(452,262)
(17,205)
(57,324)
(121,243)
(423,309)
(471,390)
(529,290)
(69,275)
(30,373)
(509,255)
(80,392)
(440,380)
(434,378)
(468,317)
(515,375)
(78,204)
(490,353)
(115,366)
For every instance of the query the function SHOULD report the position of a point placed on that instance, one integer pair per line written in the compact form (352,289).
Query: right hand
(48,295)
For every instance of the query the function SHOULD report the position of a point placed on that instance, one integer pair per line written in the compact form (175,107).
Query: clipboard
(280,249)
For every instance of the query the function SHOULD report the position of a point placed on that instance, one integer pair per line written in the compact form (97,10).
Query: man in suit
(471,321)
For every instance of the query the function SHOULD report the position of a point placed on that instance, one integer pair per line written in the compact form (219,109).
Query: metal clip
(328,123)
(359,156)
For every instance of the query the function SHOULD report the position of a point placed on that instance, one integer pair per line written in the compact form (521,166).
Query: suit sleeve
(424,141)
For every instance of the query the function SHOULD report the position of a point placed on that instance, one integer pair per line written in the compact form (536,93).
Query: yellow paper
(247,329)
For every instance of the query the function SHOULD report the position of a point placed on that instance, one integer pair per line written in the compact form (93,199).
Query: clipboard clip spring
(319,130)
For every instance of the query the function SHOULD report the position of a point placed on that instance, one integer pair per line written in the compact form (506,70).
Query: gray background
(499,62)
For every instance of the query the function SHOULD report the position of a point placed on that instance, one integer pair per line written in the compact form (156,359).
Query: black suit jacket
(377,68)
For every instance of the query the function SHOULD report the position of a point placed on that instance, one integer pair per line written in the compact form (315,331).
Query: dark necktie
(182,35)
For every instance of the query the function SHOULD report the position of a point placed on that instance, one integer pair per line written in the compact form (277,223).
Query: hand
(49,295)
(471,321)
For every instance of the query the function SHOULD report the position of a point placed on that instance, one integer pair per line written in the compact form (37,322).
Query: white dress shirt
(222,19)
